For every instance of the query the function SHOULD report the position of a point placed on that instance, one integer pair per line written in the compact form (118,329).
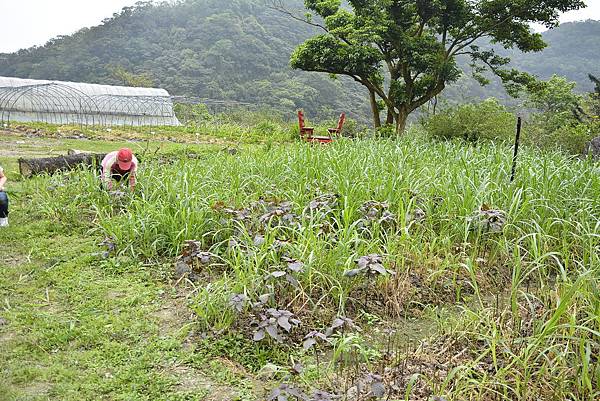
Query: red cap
(124,159)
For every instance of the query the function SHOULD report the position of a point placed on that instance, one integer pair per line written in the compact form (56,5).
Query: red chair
(308,133)
(340,126)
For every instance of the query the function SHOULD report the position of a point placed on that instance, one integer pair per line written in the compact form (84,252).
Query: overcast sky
(25,23)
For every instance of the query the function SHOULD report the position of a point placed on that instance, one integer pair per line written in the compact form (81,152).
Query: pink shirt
(110,167)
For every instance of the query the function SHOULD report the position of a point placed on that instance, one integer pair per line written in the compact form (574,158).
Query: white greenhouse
(56,102)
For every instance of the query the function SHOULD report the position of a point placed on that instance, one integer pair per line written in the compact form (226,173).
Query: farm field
(404,269)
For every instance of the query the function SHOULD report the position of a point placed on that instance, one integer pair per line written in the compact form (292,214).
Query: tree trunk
(375,109)
(390,117)
(401,119)
(51,165)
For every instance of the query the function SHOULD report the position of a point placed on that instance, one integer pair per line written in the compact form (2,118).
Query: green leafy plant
(488,120)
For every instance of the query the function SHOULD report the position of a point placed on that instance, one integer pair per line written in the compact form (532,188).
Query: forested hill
(239,50)
(226,50)
(573,51)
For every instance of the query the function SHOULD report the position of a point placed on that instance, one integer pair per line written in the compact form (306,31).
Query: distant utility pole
(516,155)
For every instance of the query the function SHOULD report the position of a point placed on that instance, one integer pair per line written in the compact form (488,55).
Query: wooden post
(517,142)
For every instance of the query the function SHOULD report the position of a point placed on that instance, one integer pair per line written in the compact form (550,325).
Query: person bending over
(3,200)
(118,166)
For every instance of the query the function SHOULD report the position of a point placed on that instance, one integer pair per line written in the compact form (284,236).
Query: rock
(593,149)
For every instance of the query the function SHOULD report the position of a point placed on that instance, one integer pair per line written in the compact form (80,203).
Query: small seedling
(369,266)
(271,321)
(416,217)
(279,215)
(341,323)
(312,339)
(487,220)
(374,212)
(110,245)
(323,204)
(238,302)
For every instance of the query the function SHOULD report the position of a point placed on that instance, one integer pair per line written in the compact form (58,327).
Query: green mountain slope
(226,50)
(573,51)
(239,50)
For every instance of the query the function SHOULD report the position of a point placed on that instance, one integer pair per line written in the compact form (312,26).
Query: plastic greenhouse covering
(56,102)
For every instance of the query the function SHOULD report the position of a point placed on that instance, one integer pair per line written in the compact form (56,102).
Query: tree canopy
(405,51)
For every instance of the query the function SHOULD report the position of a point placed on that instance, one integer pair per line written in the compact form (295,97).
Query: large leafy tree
(404,51)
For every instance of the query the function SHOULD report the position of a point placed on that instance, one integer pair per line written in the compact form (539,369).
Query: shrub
(561,121)
(386,131)
(473,122)
(547,132)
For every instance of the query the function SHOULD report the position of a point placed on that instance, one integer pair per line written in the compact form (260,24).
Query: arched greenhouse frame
(56,102)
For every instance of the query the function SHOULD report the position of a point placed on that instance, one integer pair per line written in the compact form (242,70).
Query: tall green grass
(528,298)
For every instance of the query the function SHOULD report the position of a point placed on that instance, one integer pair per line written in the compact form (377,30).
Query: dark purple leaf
(308,343)
(274,394)
(295,392)
(259,240)
(298,368)
(204,258)
(353,272)
(182,268)
(109,243)
(378,389)
(284,322)
(312,337)
(378,268)
(259,335)
(337,322)
(264,298)
(296,266)
(272,331)
(292,280)
(311,334)
(362,262)
(319,395)
(238,301)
